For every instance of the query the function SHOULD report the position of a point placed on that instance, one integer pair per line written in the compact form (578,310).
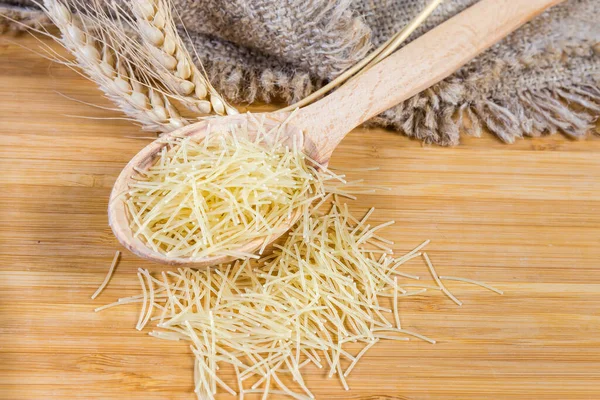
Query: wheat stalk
(373,58)
(172,61)
(101,54)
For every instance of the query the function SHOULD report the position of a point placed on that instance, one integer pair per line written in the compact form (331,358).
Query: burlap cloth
(542,79)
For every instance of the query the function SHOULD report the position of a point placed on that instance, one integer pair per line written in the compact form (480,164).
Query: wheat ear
(100,54)
(172,61)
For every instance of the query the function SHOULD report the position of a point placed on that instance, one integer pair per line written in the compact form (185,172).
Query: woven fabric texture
(542,79)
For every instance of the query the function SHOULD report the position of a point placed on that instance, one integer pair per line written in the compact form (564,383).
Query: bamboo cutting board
(525,218)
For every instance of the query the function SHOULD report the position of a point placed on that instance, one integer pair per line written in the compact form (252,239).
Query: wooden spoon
(320,127)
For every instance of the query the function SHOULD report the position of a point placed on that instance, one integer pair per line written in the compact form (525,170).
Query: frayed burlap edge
(571,109)
(440,114)
(25,18)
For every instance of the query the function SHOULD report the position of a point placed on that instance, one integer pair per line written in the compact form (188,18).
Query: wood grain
(525,218)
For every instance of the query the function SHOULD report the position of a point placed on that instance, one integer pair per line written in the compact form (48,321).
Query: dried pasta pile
(332,283)
(209,198)
(323,297)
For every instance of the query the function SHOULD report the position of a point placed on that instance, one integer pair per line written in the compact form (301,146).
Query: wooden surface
(525,218)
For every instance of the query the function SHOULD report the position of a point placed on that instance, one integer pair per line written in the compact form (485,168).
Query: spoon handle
(418,65)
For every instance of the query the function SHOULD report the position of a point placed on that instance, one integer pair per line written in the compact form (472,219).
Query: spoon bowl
(320,127)
(118,214)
